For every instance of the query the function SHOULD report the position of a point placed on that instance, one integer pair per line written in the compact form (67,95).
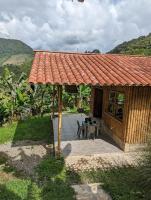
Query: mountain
(138,46)
(16,55)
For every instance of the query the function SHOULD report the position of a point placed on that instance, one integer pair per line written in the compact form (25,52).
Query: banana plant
(16,90)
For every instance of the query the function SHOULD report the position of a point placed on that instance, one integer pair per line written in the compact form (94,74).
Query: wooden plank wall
(117,127)
(139,115)
(136,124)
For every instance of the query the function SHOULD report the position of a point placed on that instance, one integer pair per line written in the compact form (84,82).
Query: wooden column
(52,140)
(59,118)
(53,102)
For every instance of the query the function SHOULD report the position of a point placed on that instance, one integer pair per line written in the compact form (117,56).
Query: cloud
(71,26)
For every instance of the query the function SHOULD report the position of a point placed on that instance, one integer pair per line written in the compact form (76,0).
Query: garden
(25,116)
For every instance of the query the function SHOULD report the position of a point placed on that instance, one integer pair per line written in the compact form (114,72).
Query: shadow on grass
(52,174)
(23,160)
(32,130)
(48,181)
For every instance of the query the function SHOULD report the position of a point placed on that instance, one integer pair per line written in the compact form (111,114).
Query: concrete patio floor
(73,146)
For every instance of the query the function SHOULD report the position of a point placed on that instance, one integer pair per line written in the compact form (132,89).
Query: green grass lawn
(35,128)
(121,183)
(48,183)
(53,181)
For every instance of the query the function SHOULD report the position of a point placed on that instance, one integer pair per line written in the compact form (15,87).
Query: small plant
(51,169)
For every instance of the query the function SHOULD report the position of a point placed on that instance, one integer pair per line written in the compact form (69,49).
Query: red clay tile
(90,69)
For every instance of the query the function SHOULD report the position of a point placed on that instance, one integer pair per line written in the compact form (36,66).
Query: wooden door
(98,103)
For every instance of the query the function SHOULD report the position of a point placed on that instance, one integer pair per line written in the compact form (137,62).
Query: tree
(94,51)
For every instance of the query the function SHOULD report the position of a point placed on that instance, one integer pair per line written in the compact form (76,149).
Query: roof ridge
(83,53)
(127,55)
(66,52)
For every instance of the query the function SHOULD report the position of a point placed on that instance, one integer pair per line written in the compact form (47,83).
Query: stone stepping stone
(90,192)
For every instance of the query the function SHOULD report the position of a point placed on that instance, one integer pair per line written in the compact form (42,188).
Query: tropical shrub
(19,99)
(13,93)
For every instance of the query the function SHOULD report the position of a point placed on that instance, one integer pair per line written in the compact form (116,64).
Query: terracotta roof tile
(92,69)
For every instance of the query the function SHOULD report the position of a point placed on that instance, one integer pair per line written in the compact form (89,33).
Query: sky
(66,25)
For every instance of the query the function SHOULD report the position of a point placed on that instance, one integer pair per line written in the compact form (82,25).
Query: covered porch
(123,98)
(71,145)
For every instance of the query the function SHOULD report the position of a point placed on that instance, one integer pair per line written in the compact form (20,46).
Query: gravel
(103,161)
(26,155)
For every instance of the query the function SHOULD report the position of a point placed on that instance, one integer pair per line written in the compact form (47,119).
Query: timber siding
(136,124)
(139,116)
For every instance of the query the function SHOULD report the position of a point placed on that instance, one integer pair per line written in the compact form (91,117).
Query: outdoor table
(90,128)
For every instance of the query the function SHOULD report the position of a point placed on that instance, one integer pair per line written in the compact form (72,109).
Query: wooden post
(59,118)
(53,102)
(52,140)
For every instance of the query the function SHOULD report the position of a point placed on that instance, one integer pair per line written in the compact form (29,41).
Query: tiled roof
(91,69)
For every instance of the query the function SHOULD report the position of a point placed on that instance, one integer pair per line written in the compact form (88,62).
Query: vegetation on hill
(18,69)
(16,55)
(17,59)
(10,47)
(138,46)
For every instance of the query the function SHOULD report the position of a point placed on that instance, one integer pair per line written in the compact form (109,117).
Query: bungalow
(121,90)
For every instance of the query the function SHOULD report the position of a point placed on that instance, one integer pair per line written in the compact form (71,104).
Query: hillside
(16,55)
(17,59)
(138,46)
(11,46)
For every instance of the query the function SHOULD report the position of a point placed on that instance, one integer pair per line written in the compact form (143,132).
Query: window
(116,104)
